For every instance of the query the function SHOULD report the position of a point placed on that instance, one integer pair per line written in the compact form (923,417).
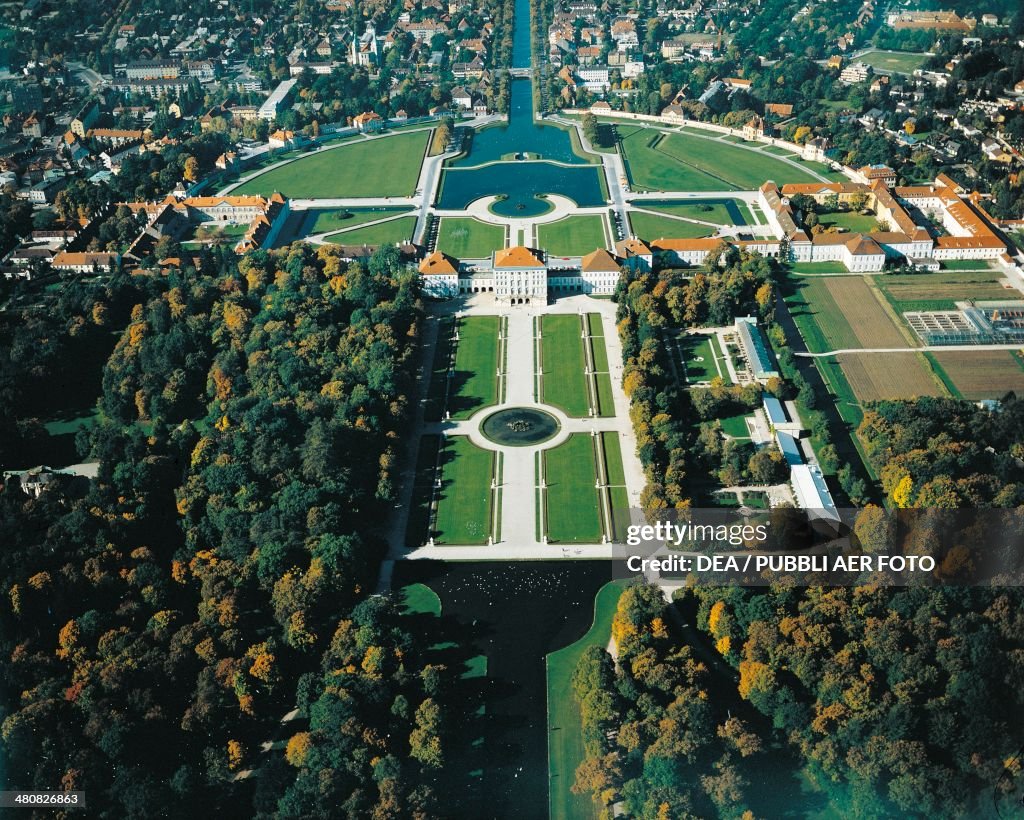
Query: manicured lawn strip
(652,226)
(385,233)
(600,354)
(605,400)
(613,459)
(565,729)
(718,210)
(573,235)
(469,238)
(564,384)
(418,524)
(818,267)
(721,357)
(464,500)
(475,384)
(845,398)
(620,514)
(419,599)
(336,220)
(389,166)
(438,375)
(594,325)
(572,510)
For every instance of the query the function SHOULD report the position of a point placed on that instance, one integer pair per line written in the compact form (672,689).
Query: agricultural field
(573,236)
(688,162)
(571,502)
(564,384)
(719,211)
(464,500)
(655,226)
(841,312)
(468,238)
(940,291)
(875,376)
(896,62)
(383,233)
(982,374)
(389,166)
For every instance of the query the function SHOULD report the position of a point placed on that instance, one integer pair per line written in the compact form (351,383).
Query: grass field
(905,62)
(653,226)
(719,211)
(736,426)
(985,374)
(965,264)
(876,376)
(571,501)
(464,500)
(564,384)
(687,162)
(341,219)
(389,166)
(573,236)
(384,233)
(940,291)
(698,358)
(565,731)
(469,238)
(818,267)
(851,220)
(475,383)
(434,408)
(836,313)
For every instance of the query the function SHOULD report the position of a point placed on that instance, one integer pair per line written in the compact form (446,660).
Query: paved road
(808,355)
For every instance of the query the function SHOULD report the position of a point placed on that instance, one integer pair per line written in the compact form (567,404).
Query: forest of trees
(157,625)
(893,702)
(728,284)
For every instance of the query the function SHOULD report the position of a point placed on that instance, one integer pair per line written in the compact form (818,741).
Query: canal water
(519,157)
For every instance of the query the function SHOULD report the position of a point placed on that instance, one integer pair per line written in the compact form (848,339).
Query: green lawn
(417,528)
(573,236)
(419,599)
(564,384)
(687,162)
(899,63)
(699,359)
(721,212)
(389,166)
(385,233)
(341,219)
(434,409)
(469,238)
(616,484)
(475,384)
(571,501)
(652,226)
(851,220)
(818,267)
(735,426)
(565,730)
(464,500)
(594,325)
